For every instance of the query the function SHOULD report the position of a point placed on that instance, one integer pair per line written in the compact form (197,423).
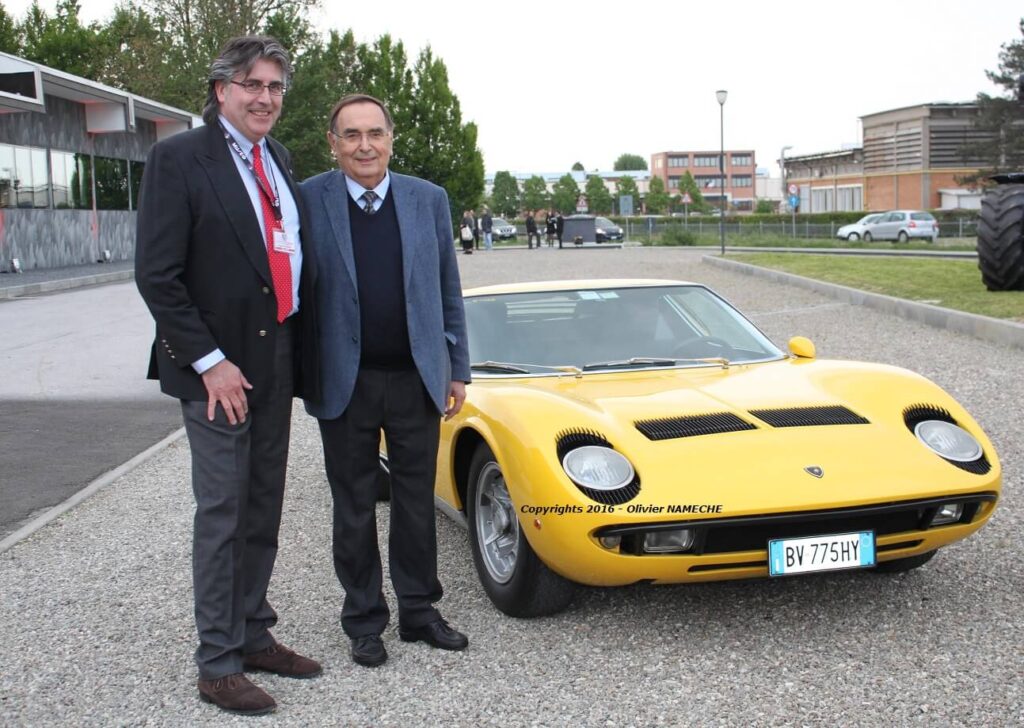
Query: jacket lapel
(335,201)
(407,210)
(230,191)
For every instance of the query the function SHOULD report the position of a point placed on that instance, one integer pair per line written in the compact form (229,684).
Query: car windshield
(499,222)
(610,328)
(604,222)
(868,218)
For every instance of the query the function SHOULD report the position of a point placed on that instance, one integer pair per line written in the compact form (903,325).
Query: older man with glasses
(394,357)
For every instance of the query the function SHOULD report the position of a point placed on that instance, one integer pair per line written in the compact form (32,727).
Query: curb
(64,284)
(986,328)
(94,487)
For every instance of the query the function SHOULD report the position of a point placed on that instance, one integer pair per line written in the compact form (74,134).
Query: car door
(888,226)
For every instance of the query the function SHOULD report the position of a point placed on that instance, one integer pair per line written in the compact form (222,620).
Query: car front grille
(752,533)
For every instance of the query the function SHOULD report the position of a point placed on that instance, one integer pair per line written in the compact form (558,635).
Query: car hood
(759,469)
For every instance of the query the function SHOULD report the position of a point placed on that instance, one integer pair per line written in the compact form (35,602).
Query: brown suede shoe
(235,694)
(280,660)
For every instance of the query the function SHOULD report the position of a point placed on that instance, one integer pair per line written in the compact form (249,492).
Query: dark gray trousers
(398,403)
(238,475)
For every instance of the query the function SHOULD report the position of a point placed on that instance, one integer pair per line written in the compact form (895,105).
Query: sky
(552,83)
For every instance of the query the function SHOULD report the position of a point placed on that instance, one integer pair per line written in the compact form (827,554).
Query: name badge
(283,243)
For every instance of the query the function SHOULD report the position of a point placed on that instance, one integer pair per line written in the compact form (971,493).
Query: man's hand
(226,384)
(456,396)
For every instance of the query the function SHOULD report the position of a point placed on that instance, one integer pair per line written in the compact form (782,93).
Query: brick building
(740,172)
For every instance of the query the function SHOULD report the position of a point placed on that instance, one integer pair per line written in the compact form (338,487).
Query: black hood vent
(670,428)
(809,416)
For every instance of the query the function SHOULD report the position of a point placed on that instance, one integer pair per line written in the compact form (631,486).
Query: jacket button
(355,339)
(263,332)
(266,290)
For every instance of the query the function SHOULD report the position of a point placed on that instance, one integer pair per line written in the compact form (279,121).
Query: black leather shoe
(368,650)
(435,634)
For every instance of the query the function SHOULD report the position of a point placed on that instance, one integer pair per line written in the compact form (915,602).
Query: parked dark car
(607,230)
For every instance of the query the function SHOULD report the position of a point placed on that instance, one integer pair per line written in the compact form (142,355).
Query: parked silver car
(855,231)
(502,229)
(902,225)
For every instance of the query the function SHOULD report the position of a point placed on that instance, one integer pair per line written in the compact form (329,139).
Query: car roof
(585,285)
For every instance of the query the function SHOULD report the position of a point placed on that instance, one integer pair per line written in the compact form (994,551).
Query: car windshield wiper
(516,368)
(653,361)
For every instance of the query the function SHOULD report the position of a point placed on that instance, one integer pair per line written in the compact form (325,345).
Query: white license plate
(821,553)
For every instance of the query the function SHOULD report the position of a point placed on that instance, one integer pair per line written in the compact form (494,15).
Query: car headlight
(948,440)
(597,467)
(600,230)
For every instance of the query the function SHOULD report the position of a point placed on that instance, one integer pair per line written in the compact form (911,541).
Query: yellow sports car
(620,431)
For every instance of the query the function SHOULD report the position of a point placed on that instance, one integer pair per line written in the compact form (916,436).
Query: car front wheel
(515,579)
(853,236)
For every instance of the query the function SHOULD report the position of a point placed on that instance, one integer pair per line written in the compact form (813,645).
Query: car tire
(1001,238)
(853,236)
(515,579)
(898,566)
(903,237)
(868,237)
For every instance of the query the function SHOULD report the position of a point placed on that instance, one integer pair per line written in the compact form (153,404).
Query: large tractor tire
(1001,238)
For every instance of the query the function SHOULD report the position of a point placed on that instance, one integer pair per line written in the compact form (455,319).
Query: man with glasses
(220,264)
(394,357)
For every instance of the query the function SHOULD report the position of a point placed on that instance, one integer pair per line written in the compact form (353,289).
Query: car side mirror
(801,347)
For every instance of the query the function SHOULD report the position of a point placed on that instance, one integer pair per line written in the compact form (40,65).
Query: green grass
(952,284)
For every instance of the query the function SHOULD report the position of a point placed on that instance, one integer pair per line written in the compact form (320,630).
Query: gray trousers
(238,475)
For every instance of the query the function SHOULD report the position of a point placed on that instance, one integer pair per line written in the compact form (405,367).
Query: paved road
(74,402)
(96,625)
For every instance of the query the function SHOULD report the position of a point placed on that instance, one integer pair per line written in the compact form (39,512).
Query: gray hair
(237,56)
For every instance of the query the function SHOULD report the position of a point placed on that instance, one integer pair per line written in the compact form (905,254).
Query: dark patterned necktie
(368,198)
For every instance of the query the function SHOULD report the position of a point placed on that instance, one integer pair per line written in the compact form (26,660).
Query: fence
(640,228)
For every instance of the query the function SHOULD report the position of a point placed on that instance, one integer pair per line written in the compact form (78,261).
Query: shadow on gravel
(53,448)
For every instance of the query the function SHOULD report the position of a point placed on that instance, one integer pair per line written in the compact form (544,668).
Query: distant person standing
(467,232)
(531,230)
(476,229)
(550,228)
(559,227)
(487,226)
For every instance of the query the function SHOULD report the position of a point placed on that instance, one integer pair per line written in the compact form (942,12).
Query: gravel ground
(96,607)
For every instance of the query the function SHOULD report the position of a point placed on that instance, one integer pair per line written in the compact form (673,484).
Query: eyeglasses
(254,87)
(353,137)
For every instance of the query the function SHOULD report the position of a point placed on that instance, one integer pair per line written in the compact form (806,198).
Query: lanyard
(273,199)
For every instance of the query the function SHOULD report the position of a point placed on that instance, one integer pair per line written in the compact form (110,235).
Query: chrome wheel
(497,528)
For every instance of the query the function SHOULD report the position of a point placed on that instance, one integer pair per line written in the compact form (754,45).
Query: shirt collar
(356,190)
(242,140)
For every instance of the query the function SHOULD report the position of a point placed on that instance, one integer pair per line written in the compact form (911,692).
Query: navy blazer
(201,265)
(433,293)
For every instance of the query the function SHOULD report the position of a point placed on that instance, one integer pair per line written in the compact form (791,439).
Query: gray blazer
(433,293)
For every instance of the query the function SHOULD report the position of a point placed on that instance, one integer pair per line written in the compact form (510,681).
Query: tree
(578,167)
(764,207)
(565,194)
(626,185)
(1002,149)
(62,41)
(629,162)
(599,200)
(10,38)
(688,185)
(535,193)
(138,57)
(505,195)
(656,200)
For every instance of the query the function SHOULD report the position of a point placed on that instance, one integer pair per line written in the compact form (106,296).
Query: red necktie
(280,265)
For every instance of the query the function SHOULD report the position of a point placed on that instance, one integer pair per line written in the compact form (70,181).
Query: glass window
(111,183)
(742,160)
(72,180)
(24,181)
(742,180)
(135,170)
(677,161)
(705,160)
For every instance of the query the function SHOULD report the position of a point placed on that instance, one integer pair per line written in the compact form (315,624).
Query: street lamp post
(721,96)
(785,187)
